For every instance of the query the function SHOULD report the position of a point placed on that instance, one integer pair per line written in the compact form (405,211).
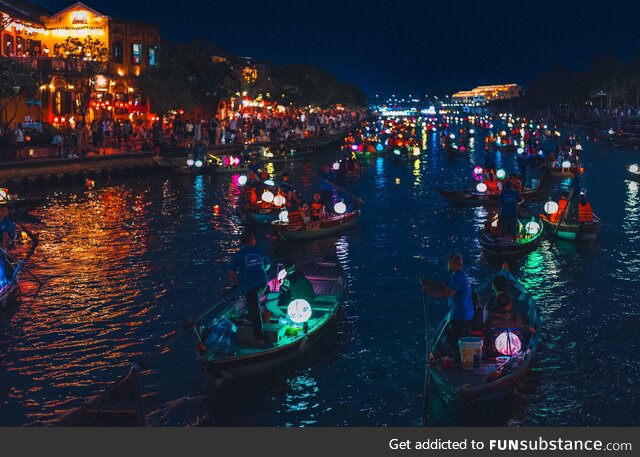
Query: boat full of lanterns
(565,170)
(492,361)
(341,221)
(225,345)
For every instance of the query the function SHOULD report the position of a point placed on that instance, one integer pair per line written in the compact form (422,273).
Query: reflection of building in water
(485,94)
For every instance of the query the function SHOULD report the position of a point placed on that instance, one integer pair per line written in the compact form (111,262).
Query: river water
(128,261)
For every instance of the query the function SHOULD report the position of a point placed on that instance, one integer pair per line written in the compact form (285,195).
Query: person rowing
(317,207)
(509,200)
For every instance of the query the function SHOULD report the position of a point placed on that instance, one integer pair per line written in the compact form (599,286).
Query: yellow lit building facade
(485,94)
(85,61)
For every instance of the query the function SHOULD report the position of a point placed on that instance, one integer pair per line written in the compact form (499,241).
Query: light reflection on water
(129,262)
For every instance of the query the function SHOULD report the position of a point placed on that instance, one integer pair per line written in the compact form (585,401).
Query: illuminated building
(85,61)
(485,94)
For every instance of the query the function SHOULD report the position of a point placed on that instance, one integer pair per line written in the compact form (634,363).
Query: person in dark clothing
(252,263)
(509,201)
(295,286)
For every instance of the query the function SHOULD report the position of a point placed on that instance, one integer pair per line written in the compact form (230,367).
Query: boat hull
(314,229)
(573,232)
(259,216)
(471,198)
(9,290)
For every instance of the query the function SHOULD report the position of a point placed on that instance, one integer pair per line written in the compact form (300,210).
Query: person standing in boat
(460,297)
(252,263)
(7,227)
(509,200)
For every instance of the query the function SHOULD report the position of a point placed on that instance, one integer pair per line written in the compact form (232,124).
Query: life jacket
(492,186)
(295,218)
(316,208)
(251,196)
(562,207)
(585,213)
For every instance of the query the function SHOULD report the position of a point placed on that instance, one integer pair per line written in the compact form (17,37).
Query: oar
(343,190)
(427,371)
(562,219)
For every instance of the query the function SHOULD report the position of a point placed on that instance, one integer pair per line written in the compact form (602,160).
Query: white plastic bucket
(470,352)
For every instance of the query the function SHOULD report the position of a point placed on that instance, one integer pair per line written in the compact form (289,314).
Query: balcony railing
(58,65)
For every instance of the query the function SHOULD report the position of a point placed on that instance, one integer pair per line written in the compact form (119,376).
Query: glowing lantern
(198,163)
(416,151)
(611,132)
(501,174)
(508,343)
(4,195)
(551,207)
(354,147)
(452,136)
(471,131)
(299,311)
(633,168)
(279,200)
(340,208)
(532,228)
(503,133)
(494,224)
(235,161)
(242,180)
(520,150)
(379,148)
(566,164)
(481,187)
(397,152)
(190,162)
(478,170)
(267,196)
(336,166)
(216,210)
(269,182)
(282,273)
(284,218)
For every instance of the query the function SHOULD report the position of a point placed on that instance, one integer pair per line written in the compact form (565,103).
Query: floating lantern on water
(198,163)
(633,169)
(532,228)
(279,200)
(242,180)
(336,166)
(566,164)
(299,311)
(481,187)
(551,207)
(508,343)
(501,174)
(284,218)
(190,162)
(267,196)
(340,208)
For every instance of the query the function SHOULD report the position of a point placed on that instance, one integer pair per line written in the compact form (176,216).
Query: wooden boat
(287,341)
(314,229)
(583,231)
(523,243)
(258,215)
(563,173)
(633,173)
(120,405)
(455,151)
(497,375)
(9,280)
(474,198)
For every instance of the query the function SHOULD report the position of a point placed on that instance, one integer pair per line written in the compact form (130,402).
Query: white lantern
(501,174)
(284,216)
(481,187)
(508,343)
(471,131)
(340,208)
(269,182)
(242,180)
(279,200)
(566,164)
(532,228)
(633,168)
(267,196)
(551,207)
(520,150)
(336,166)
(4,195)
(299,311)
(452,136)
(198,163)
(190,162)
(282,274)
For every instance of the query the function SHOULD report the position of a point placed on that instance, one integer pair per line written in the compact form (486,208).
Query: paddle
(427,373)
(343,190)
(562,219)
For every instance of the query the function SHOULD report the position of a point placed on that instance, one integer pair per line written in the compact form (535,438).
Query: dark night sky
(403,46)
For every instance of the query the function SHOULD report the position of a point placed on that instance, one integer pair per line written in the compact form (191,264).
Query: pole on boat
(563,217)
(342,190)
(427,371)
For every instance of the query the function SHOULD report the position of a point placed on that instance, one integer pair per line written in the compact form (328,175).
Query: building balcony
(51,65)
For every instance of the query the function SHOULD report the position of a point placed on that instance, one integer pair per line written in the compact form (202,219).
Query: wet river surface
(128,261)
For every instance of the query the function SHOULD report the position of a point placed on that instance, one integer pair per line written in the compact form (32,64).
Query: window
(8,45)
(153,56)
(136,53)
(117,51)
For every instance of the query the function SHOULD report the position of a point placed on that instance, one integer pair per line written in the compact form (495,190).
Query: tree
(86,49)
(15,79)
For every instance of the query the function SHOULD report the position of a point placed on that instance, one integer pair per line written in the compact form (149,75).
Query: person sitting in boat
(317,207)
(282,150)
(585,213)
(498,287)
(7,227)
(509,201)
(252,264)
(516,184)
(251,196)
(491,181)
(562,207)
(295,286)
(459,294)
(296,215)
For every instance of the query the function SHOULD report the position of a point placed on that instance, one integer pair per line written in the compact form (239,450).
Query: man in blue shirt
(459,294)
(509,200)
(252,264)
(7,227)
